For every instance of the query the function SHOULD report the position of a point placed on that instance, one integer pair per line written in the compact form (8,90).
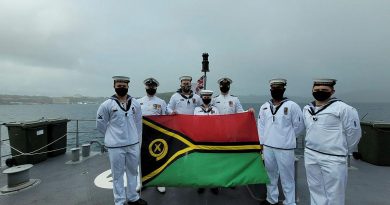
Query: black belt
(336,155)
(279,148)
(122,146)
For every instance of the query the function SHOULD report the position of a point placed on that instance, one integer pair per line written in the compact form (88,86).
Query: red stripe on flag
(239,127)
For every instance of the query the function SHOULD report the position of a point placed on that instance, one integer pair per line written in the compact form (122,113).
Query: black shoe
(267,203)
(138,202)
(215,190)
(200,190)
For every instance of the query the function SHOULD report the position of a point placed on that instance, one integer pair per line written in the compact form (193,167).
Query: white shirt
(227,104)
(334,130)
(183,105)
(152,105)
(278,126)
(120,126)
(200,110)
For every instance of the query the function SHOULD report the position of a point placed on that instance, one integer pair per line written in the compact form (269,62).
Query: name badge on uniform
(285,110)
(156,106)
(193,100)
(231,103)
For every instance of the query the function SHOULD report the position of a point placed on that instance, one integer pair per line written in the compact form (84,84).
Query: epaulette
(216,96)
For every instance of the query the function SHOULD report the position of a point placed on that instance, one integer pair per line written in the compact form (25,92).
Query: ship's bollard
(75,154)
(86,149)
(18,178)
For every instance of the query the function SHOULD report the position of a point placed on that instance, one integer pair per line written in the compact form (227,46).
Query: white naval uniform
(151,106)
(203,111)
(332,132)
(278,127)
(227,104)
(122,128)
(182,104)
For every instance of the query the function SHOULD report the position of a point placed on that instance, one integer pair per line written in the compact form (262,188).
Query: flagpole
(205,67)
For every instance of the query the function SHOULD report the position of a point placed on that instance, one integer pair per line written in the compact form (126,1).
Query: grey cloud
(81,44)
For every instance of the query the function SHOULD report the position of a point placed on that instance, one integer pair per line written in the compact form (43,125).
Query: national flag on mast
(200,84)
(201,151)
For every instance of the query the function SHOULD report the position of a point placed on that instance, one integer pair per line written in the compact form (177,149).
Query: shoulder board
(216,96)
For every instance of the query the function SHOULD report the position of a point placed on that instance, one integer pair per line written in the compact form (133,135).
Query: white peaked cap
(225,80)
(149,81)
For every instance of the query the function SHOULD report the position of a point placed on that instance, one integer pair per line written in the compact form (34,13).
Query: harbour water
(84,115)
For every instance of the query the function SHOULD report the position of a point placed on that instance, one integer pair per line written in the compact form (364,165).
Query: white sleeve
(195,110)
(163,108)
(199,100)
(238,106)
(171,105)
(261,124)
(351,125)
(102,118)
(138,119)
(297,119)
(216,111)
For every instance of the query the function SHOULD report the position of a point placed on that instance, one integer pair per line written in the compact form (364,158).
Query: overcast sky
(62,48)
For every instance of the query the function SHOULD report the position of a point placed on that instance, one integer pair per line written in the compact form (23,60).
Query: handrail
(76,138)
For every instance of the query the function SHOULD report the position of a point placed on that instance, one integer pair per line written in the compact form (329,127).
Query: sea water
(83,116)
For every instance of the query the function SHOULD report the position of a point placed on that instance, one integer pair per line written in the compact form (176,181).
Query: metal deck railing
(79,131)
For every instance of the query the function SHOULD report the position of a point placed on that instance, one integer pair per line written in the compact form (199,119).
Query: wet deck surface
(74,184)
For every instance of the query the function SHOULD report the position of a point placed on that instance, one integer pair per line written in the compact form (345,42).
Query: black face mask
(206,101)
(151,91)
(224,88)
(277,94)
(321,95)
(186,88)
(121,91)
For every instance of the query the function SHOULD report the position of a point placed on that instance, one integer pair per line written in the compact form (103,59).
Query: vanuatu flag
(201,151)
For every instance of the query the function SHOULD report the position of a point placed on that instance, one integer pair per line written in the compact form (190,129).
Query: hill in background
(349,97)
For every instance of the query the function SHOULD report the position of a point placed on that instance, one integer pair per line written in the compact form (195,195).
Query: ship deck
(64,183)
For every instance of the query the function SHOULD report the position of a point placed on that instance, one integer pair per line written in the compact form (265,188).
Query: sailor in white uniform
(152,105)
(119,119)
(226,103)
(184,100)
(206,108)
(332,133)
(280,121)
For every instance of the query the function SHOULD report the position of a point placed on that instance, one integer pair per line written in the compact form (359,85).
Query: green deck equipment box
(28,137)
(57,133)
(374,146)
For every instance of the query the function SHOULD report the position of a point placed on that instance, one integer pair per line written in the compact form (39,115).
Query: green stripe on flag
(213,170)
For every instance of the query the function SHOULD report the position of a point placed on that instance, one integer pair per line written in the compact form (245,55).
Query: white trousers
(326,178)
(280,162)
(121,160)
